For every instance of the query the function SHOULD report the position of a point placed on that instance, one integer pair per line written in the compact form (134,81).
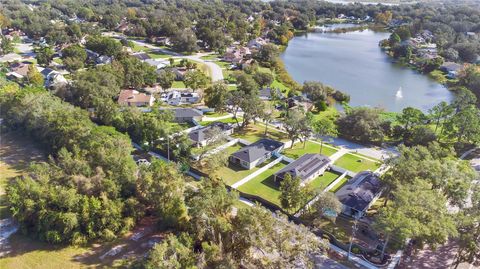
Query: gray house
(187,115)
(307,168)
(201,137)
(256,153)
(359,193)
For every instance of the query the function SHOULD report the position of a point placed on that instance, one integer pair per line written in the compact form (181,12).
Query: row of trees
(457,122)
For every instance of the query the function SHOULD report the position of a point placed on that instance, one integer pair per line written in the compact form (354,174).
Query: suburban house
(451,69)
(237,55)
(176,98)
(269,93)
(135,98)
(179,72)
(52,77)
(142,56)
(257,43)
(307,168)
(182,115)
(254,154)
(299,102)
(158,64)
(359,193)
(97,58)
(18,71)
(201,137)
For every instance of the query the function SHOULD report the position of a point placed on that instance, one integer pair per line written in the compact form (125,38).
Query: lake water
(353,63)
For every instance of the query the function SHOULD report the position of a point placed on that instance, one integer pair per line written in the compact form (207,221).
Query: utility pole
(354,229)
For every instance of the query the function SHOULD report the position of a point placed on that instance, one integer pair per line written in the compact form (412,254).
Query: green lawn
(254,132)
(340,184)
(321,182)
(210,57)
(233,173)
(330,113)
(158,55)
(232,87)
(310,147)
(356,164)
(178,84)
(215,114)
(227,120)
(264,186)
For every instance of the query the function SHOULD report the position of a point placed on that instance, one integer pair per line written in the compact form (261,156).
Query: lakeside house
(201,137)
(255,154)
(257,43)
(307,168)
(269,93)
(182,115)
(135,98)
(359,193)
(451,69)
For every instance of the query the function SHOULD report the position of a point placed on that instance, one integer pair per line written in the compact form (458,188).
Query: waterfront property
(256,153)
(359,193)
(307,168)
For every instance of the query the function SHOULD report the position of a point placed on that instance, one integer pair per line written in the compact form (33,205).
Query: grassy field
(330,113)
(215,114)
(310,147)
(253,133)
(321,182)
(227,120)
(233,173)
(264,186)
(356,164)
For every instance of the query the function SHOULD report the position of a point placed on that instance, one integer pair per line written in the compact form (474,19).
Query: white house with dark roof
(201,137)
(307,168)
(254,154)
(359,193)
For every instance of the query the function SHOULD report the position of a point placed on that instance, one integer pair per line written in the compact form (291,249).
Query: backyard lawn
(233,173)
(340,184)
(321,182)
(356,164)
(253,133)
(310,147)
(227,120)
(264,186)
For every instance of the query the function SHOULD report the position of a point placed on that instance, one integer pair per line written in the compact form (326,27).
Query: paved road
(374,152)
(25,51)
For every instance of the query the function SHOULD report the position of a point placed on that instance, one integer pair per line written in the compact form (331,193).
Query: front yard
(356,164)
(310,147)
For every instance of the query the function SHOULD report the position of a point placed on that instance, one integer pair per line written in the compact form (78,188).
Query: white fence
(256,173)
(335,182)
(341,170)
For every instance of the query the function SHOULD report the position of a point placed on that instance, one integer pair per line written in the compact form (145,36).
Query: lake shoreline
(431,87)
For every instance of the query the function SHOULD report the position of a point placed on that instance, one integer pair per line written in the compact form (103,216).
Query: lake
(354,63)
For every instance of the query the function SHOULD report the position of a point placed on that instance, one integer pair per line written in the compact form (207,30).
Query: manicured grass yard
(215,114)
(340,184)
(178,84)
(227,120)
(321,182)
(233,173)
(356,164)
(264,186)
(253,133)
(310,147)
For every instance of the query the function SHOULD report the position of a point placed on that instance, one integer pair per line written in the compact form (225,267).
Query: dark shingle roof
(141,56)
(257,150)
(305,166)
(359,192)
(186,113)
(200,135)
